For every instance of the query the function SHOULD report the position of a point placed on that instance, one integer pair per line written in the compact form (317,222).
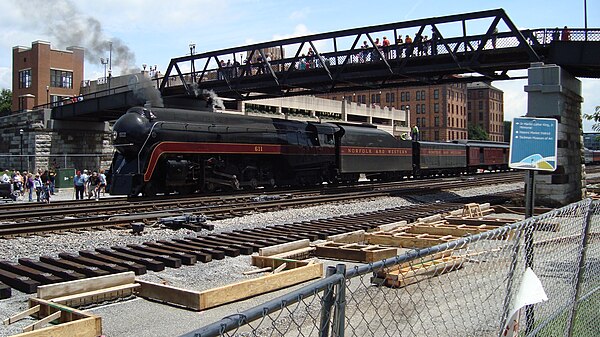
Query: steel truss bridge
(457,49)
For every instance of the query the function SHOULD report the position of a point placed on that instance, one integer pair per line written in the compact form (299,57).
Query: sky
(154,31)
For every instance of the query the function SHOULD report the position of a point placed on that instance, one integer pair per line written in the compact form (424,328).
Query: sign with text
(533,144)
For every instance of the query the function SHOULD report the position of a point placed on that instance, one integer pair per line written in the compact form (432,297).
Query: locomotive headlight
(114,135)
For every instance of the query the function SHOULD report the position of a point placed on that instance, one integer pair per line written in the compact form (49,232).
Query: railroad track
(26,274)
(34,220)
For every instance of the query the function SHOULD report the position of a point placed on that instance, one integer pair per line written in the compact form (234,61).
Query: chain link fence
(462,288)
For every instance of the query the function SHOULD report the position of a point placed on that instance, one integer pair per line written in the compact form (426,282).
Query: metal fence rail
(461,288)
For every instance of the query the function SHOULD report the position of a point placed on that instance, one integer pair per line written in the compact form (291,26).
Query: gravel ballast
(138,317)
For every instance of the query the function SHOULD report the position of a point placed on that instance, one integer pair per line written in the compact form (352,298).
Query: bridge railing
(282,62)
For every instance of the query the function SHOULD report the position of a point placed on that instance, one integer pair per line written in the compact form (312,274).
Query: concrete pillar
(554,93)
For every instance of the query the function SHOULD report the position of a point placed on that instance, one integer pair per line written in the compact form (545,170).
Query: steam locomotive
(166,150)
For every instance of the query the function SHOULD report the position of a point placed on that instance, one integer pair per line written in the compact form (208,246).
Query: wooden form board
(354,252)
(274,262)
(407,240)
(84,285)
(232,292)
(73,323)
(447,229)
(406,275)
(283,248)
(350,237)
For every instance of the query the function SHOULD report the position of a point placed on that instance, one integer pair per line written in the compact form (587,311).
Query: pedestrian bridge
(469,47)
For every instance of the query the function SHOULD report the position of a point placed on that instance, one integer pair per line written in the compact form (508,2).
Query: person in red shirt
(566,34)
(386,47)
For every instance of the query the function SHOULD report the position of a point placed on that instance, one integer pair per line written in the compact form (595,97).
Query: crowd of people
(90,185)
(26,183)
(42,184)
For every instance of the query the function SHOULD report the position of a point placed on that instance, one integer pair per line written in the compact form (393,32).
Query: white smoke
(143,88)
(209,95)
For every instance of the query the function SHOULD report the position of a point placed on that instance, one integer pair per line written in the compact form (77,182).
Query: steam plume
(67,26)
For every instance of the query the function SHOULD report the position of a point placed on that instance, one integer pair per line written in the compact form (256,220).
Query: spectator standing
(79,185)
(51,181)
(407,42)
(386,47)
(556,34)
(566,34)
(102,187)
(415,132)
(37,184)
(29,185)
(5,177)
(400,43)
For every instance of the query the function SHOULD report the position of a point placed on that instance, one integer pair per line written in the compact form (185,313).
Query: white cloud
(300,14)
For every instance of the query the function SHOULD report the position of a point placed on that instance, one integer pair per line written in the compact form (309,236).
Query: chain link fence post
(580,273)
(328,301)
(340,303)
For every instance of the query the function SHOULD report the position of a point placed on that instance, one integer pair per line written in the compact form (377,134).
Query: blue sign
(533,144)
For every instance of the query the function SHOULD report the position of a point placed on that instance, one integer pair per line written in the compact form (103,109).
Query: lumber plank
(391,226)
(350,237)
(187,298)
(249,288)
(85,285)
(21,315)
(85,327)
(41,322)
(296,254)
(97,295)
(283,248)
(280,268)
(257,271)
(274,262)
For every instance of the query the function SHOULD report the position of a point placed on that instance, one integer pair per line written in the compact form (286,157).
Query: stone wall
(52,144)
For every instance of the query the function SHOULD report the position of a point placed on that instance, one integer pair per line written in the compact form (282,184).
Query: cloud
(5,78)
(300,14)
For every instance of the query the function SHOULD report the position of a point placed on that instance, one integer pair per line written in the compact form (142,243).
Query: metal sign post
(533,147)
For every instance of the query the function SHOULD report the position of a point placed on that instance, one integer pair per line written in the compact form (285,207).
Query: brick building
(440,111)
(42,74)
(485,107)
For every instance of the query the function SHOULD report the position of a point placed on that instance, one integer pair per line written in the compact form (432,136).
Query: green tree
(5,101)
(594,117)
(476,132)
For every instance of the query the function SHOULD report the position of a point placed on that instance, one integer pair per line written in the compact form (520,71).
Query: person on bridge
(566,34)
(556,34)
(415,132)
(386,47)
(407,42)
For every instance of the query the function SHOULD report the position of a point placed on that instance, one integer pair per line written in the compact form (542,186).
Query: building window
(25,79)
(468,105)
(436,121)
(422,95)
(402,96)
(469,117)
(480,116)
(436,107)
(480,93)
(423,122)
(418,109)
(436,135)
(417,95)
(392,97)
(61,79)
(422,108)
(364,99)
(480,105)
(408,96)
(436,93)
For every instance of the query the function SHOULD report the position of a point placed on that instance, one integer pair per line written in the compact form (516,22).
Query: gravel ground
(139,317)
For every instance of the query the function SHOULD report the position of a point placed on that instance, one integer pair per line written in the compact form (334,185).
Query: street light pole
(109,62)
(21,134)
(193,69)
(47,94)
(585,18)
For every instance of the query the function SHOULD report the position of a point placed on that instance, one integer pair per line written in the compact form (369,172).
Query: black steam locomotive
(166,150)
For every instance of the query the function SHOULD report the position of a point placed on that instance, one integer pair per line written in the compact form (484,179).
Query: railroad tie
(78,267)
(67,274)
(149,263)
(169,261)
(137,268)
(186,259)
(34,274)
